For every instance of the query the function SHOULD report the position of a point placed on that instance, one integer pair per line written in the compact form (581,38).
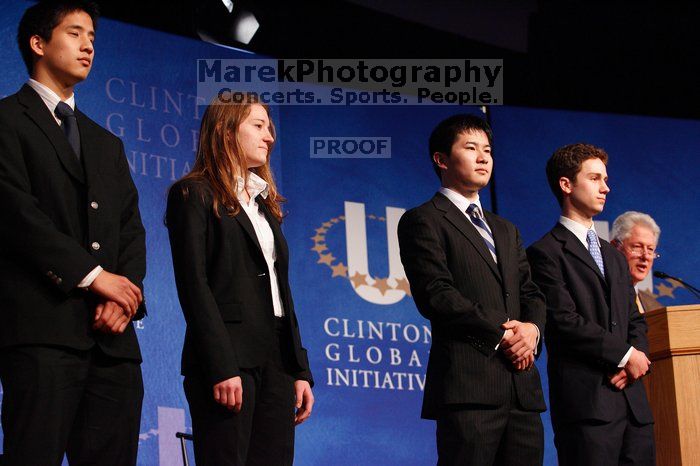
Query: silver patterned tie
(477,220)
(594,249)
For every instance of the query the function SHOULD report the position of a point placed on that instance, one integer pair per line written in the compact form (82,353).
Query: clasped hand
(519,343)
(121,290)
(637,366)
(121,300)
(111,318)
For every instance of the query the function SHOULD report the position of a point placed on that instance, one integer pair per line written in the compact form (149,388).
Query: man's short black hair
(445,133)
(42,18)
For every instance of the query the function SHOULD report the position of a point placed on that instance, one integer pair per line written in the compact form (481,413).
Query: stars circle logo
(376,289)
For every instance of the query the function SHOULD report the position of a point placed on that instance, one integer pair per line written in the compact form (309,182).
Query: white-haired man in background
(636,235)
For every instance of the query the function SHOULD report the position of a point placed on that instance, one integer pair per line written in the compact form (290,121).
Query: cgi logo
(376,289)
(350,148)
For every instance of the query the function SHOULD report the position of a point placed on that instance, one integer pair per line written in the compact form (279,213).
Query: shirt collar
(579,230)
(256,186)
(460,201)
(50,98)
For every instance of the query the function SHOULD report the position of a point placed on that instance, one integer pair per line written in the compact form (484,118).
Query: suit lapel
(462,223)
(576,248)
(280,244)
(36,110)
(89,148)
(282,259)
(244,221)
(606,250)
(500,238)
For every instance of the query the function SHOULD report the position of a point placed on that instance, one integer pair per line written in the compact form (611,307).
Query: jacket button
(613,323)
(59,281)
(95,245)
(507,294)
(94,205)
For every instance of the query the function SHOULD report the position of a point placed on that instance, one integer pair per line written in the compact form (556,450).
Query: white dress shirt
(51,99)
(580,231)
(258,186)
(462,204)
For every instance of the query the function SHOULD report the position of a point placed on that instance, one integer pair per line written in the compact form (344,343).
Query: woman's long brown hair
(220,158)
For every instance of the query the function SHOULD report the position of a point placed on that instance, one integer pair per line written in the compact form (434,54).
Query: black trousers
(478,435)
(262,433)
(81,403)
(623,441)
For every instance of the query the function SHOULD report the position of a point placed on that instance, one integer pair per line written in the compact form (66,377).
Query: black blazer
(591,323)
(457,285)
(60,219)
(224,287)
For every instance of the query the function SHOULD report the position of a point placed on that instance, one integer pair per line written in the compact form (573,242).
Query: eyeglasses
(641,250)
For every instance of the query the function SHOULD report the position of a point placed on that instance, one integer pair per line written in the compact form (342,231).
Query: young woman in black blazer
(247,377)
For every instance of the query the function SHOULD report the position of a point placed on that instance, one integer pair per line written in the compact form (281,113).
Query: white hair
(622,227)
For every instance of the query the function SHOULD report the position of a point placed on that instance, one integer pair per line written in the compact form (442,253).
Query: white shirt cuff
(626,358)
(537,343)
(499,343)
(89,278)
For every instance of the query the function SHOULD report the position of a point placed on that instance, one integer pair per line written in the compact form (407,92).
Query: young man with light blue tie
(595,336)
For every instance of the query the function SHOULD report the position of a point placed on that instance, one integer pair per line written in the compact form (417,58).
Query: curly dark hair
(566,163)
(41,19)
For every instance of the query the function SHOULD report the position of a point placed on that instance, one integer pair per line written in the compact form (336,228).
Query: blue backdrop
(367,344)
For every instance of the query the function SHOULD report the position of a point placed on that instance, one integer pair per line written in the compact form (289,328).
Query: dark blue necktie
(70,126)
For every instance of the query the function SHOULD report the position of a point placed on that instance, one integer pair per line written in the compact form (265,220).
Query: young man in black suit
(470,277)
(72,260)
(596,338)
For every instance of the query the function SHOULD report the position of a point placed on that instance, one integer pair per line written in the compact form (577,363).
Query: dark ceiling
(632,58)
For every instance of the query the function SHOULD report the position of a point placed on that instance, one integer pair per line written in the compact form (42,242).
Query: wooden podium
(673,386)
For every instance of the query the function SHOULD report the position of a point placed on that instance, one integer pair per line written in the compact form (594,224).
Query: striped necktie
(477,219)
(594,249)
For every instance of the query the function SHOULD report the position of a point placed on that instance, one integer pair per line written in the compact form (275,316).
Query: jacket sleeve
(532,305)
(581,335)
(304,372)
(432,285)
(132,235)
(187,218)
(26,230)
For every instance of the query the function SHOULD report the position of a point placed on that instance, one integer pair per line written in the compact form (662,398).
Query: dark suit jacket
(591,323)
(60,219)
(224,287)
(466,296)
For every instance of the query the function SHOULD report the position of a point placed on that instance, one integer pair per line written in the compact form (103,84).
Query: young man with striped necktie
(469,275)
